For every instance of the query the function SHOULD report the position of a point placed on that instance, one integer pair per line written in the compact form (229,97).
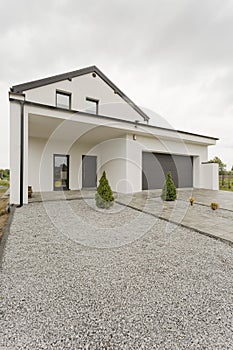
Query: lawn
(226,184)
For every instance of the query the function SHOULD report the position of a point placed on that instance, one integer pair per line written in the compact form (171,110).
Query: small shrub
(191,200)
(169,189)
(214,205)
(104,196)
(30,192)
(4,183)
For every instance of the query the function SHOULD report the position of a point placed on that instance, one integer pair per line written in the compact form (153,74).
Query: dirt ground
(3,217)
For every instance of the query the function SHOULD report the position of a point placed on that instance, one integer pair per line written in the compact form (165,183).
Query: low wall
(209,176)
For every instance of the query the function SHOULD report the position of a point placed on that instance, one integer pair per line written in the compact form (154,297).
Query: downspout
(21,189)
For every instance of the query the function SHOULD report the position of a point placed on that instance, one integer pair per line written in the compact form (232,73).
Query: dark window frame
(64,93)
(68,172)
(94,100)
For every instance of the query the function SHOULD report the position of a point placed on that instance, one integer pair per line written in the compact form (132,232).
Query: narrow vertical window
(63,99)
(60,172)
(92,105)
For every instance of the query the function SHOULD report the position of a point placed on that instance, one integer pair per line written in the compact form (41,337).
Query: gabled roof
(92,69)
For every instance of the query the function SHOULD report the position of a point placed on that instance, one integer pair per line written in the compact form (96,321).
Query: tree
(169,189)
(104,196)
(222,166)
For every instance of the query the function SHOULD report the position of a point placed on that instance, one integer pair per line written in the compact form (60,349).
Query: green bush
(104,196)
(5,174)
(169,189)
(4,183)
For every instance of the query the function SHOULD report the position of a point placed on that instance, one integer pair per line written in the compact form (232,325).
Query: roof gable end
(60,77)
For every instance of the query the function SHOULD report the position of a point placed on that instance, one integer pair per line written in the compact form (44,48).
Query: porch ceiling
(59,129)
(42,127)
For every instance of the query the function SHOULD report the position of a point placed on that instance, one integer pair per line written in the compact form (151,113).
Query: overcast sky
(174,57)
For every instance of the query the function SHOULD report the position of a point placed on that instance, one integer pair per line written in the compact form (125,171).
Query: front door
(89,171)
(61,172)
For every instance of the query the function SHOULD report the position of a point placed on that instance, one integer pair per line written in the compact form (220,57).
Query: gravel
(165,288)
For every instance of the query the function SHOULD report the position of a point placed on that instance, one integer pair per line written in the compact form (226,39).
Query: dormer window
(63,99)
(92,105)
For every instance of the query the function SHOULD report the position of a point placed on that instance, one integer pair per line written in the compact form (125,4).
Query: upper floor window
(63,99)
(92,105)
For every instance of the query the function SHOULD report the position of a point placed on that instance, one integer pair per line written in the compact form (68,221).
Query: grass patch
(226,182)
(225,188)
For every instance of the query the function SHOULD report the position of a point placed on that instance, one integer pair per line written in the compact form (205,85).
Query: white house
(66,129)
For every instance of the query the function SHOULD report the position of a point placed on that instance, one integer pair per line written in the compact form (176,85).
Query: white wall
(41,151)
(110,104)
(209,176)
(112,159)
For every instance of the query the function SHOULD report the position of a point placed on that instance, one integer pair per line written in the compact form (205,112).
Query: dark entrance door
(89,171)
(60,172)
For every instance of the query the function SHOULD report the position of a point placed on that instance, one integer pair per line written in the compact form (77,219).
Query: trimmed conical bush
(169,189)
(104,196)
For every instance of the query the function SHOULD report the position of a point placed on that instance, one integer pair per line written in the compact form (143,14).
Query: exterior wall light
(134,137)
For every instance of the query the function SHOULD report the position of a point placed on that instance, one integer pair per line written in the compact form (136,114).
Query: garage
(155,167)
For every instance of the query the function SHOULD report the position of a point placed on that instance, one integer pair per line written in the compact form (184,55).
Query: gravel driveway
(64,286)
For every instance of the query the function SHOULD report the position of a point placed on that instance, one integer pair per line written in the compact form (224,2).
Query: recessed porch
(51,138)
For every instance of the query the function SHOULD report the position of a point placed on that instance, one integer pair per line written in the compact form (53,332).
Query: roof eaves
(121,94)
(30,103)
(53,79)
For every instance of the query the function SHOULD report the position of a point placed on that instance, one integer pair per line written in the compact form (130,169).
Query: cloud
(171,56)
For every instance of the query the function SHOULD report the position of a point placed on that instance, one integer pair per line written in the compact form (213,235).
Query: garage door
(155,167)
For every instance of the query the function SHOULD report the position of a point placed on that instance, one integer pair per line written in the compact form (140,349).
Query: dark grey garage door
(155,167)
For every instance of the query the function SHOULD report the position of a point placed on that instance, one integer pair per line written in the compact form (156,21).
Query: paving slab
(200,217)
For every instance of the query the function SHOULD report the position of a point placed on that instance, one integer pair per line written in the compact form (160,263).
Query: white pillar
(14,153)
(16,101)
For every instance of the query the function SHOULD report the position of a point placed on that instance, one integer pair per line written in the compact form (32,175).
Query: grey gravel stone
(158,289)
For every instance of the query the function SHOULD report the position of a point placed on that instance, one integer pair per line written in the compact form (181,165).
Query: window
(60,172)
(63,99)
(92,105)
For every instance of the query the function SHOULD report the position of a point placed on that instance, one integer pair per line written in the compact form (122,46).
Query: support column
(18,150)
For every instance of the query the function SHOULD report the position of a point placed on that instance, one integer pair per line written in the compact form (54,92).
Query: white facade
(117,136)
(82,87)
